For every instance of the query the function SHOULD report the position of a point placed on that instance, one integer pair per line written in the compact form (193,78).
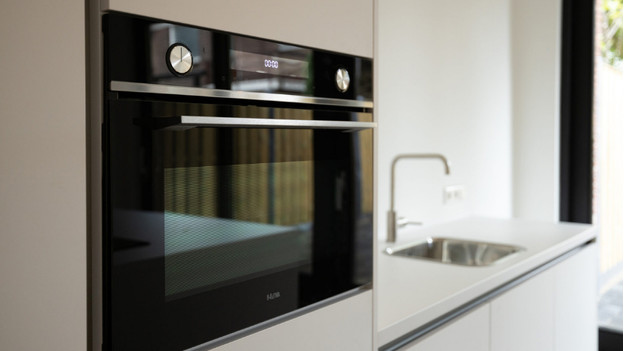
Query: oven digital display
(242,61)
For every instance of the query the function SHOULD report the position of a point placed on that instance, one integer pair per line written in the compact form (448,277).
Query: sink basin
(456,251)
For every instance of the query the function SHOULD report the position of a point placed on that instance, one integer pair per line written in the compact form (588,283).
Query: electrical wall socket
(454,193)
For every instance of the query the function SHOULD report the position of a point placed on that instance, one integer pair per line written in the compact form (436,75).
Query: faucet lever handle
(402,222)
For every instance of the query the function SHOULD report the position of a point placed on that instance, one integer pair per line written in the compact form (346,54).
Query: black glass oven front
(216,229)
(234,197)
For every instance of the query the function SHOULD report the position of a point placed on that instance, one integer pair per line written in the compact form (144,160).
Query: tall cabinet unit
(43,235)
(343,27)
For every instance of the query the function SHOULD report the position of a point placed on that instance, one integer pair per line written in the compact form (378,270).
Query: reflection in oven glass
(245,214)
(267,232)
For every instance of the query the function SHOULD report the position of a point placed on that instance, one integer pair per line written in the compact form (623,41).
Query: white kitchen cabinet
(554,310)
(522,318)
(468,333)
(576,306)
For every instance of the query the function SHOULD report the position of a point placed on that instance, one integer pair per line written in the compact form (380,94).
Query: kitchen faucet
(393,221)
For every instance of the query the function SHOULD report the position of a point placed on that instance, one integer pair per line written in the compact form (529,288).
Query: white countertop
(412,292)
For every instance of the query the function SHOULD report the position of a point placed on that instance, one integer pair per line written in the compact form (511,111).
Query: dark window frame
(577,92)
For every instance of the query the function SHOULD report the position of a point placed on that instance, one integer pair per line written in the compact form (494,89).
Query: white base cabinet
(523,318)
(468,333)
(576,302)
(555,310)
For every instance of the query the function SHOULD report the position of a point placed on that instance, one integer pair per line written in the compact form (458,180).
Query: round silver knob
(179,59)
(342,79)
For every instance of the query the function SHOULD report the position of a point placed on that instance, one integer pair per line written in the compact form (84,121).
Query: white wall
(43,265)
(536,58)
(444,85)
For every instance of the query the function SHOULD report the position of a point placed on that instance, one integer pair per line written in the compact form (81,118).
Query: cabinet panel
(343,326)
(469,333)
(576,302)
(343,26)
(523,318)
(43,178)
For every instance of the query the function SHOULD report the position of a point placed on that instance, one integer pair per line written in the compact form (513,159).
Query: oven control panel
(151,51)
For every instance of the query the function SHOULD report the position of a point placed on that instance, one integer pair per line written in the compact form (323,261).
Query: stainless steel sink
(456,251)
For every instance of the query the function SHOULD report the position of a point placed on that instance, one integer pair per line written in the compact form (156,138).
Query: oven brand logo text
(273,296)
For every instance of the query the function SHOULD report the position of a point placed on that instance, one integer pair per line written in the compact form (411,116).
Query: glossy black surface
(576,184)
(137,50)
(207,223)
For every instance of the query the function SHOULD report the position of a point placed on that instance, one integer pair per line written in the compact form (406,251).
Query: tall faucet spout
(392,216)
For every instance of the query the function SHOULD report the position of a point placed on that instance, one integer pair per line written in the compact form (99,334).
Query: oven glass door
(212,228)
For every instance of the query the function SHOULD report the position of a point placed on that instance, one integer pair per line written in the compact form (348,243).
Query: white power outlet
(454,194)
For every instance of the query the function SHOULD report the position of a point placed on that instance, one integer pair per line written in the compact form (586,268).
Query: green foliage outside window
(611,38)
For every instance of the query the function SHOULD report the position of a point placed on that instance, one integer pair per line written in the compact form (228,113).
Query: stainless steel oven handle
(147,88)
(187,122)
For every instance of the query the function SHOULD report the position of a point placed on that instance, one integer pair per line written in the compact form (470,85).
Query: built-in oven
(237,183)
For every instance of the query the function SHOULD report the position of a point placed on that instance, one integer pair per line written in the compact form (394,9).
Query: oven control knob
(342,79)
(179,59)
